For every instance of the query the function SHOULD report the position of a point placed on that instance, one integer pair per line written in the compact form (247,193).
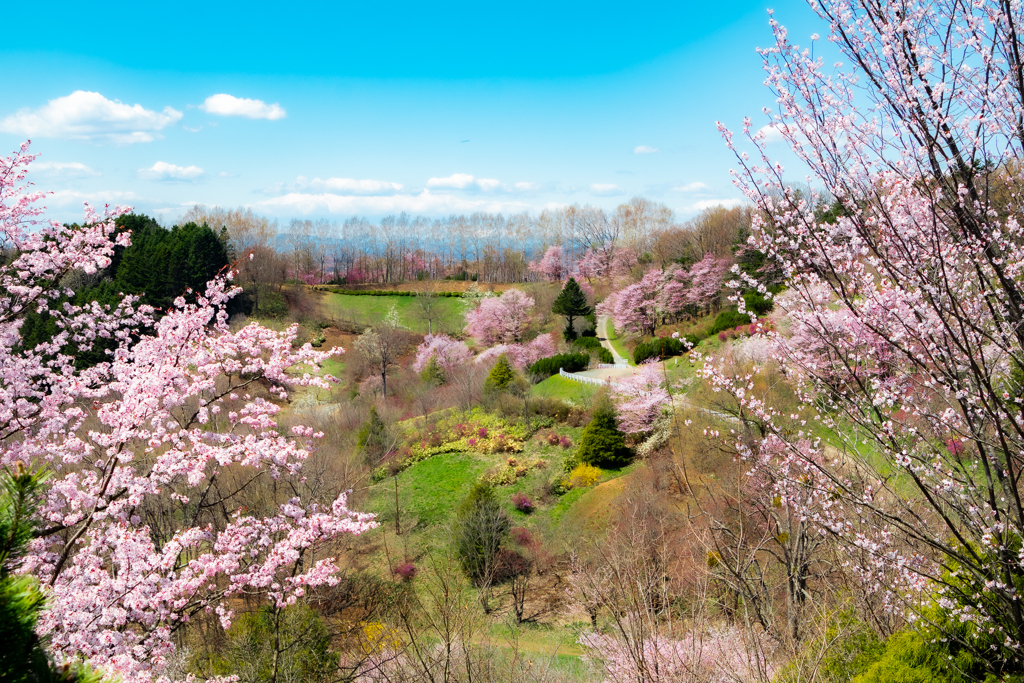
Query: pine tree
(433,373)
(23,658)
(501,376)
(374,437)
(602,444)
(571,302)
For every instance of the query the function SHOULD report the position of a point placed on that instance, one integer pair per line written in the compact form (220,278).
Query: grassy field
(365,310)
(565,389)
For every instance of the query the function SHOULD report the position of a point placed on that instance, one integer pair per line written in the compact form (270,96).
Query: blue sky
(335,110)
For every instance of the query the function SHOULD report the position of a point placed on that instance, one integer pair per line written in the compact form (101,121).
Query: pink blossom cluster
(639,307)
(552,266)
(721,655)
(904,299)
(449,353)
(522,355)
(640,397)
(137,445)
(501,320)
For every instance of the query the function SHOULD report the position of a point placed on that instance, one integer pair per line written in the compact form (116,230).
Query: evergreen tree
(374,437)
(571,302)
(433,373)
(23,658)
(501,376)
(602,444)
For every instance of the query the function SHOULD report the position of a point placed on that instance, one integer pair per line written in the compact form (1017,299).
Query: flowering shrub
(522,502)
(565,442)
(406,571)
(583,476)
(552,439)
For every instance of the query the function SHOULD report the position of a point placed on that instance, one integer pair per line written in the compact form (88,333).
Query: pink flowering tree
(707,277)
(715,655)
(919,141)
(447,352)
(522,355)
(674,297)
(640,398)
(501,320)
(551,266)
(146,518)
(634,308)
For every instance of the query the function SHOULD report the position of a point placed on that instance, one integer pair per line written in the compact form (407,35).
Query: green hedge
(727,320)
(587,343)
(382,292)
(570,362)
(663,347)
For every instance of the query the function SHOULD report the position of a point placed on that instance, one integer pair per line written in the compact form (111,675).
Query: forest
(775,442)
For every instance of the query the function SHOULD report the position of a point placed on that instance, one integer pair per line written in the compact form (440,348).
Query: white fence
(582,378)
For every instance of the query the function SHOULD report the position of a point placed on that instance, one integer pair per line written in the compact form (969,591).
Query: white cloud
(86,115)
(229,105)
(192,130)
(426,203)
(161,170)
(68,197)
(225,174)
(605,189)
(710,203)
(351,186)
(690,187)
(644,149)
(526,187)
(64,169)
(772,132)
(464,181)
(457,181)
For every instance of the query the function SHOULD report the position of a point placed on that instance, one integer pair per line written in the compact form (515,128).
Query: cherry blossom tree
(674,296)
(501,320)
(522,355)
(147,450)
(919,140)
(634,308)
(640,398)
(551,266)
(707,278)
(449,353)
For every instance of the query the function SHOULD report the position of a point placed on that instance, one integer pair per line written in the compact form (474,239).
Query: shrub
(586,343)
(602,444)
(662,347)
(565,442)
(570,362)
(405,572)
(552,439)
(757,303)
(583,476)
(727,320)
(522,502)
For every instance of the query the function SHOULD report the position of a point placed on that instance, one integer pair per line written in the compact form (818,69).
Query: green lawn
(562,388)
(429,491)
(366,310)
